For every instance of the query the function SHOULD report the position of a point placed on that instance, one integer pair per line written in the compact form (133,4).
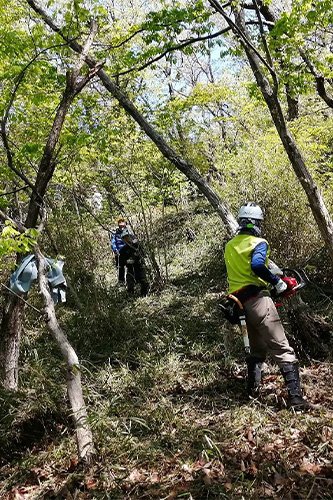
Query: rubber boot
(290,374)
(254,375)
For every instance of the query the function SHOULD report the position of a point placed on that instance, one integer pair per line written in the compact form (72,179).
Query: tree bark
(316,202)
(10,340)
(84,437)
(12,319)
(169,153)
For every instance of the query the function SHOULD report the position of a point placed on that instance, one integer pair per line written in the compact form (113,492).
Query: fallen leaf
(155,478)
(250,437)
(253,469)
(310,468)
(135,476)
(279,480)
(72,464)
(90,483)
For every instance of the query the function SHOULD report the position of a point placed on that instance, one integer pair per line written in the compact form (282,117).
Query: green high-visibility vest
(237,256)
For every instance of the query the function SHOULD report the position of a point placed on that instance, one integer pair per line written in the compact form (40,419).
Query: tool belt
(250,292)
(230,306)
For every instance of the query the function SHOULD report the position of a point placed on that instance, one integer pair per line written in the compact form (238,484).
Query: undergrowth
(164,383)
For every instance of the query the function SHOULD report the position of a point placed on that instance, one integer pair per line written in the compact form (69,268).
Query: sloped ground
(164,381)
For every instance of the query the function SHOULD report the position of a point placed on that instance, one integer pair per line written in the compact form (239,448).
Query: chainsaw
(295,279)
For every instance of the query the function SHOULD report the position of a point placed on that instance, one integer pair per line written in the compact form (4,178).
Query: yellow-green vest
(237,255)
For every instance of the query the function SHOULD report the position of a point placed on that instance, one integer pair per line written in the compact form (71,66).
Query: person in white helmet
(246,257)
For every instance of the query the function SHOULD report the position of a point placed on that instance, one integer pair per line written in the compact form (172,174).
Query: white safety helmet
(250,211)
(250,217)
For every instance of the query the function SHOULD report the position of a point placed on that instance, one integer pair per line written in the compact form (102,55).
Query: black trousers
(136,273)
(120,265)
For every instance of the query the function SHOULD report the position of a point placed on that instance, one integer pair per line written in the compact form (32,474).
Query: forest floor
(164,380)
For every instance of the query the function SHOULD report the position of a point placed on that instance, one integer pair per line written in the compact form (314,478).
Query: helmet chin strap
(250,227)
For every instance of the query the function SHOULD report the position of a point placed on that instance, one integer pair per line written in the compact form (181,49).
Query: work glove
(280,287)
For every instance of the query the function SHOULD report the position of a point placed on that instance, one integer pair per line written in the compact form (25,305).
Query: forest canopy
(169,115)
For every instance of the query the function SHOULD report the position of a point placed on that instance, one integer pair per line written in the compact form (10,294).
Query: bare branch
(20,227)
(243,38)
(320,80)
(21,298)
(4,120)
(7,193)
(172,49)
(85,50)
(264,41)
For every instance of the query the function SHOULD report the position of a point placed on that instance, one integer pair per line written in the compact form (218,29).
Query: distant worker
(246,257)
(96,200)
(117,244)
(132,256)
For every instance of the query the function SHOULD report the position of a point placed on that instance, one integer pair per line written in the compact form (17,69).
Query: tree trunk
(84,437)
(12,320)
(11,324)
(292,103)
(316,202)
(185,167)
(10,339)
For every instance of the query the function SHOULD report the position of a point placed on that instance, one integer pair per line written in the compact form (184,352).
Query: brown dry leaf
(207,476)
(270,378)
(242,466)
(40,474)
(326,434)
(268,492)
(90,483)
(250,437)
(278,443)
(228,486)
(310,468)
(155,478)
(136,476)
(187,468)
(72,464)
(253,469)
(279,480)
(20,494)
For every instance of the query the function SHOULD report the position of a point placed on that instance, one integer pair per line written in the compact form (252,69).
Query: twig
(172,49)
(262,34)
(245,41)
(15,190)
(21,228)
(21,298)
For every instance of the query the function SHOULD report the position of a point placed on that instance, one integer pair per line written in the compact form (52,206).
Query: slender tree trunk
(10,339)
(315,199)
(292,103)
(316,202)
(12,320)
(84,437)
(169,153)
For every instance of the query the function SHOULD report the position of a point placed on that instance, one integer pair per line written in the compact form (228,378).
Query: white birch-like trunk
(84,437)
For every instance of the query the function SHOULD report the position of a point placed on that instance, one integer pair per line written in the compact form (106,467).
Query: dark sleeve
(258,264)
